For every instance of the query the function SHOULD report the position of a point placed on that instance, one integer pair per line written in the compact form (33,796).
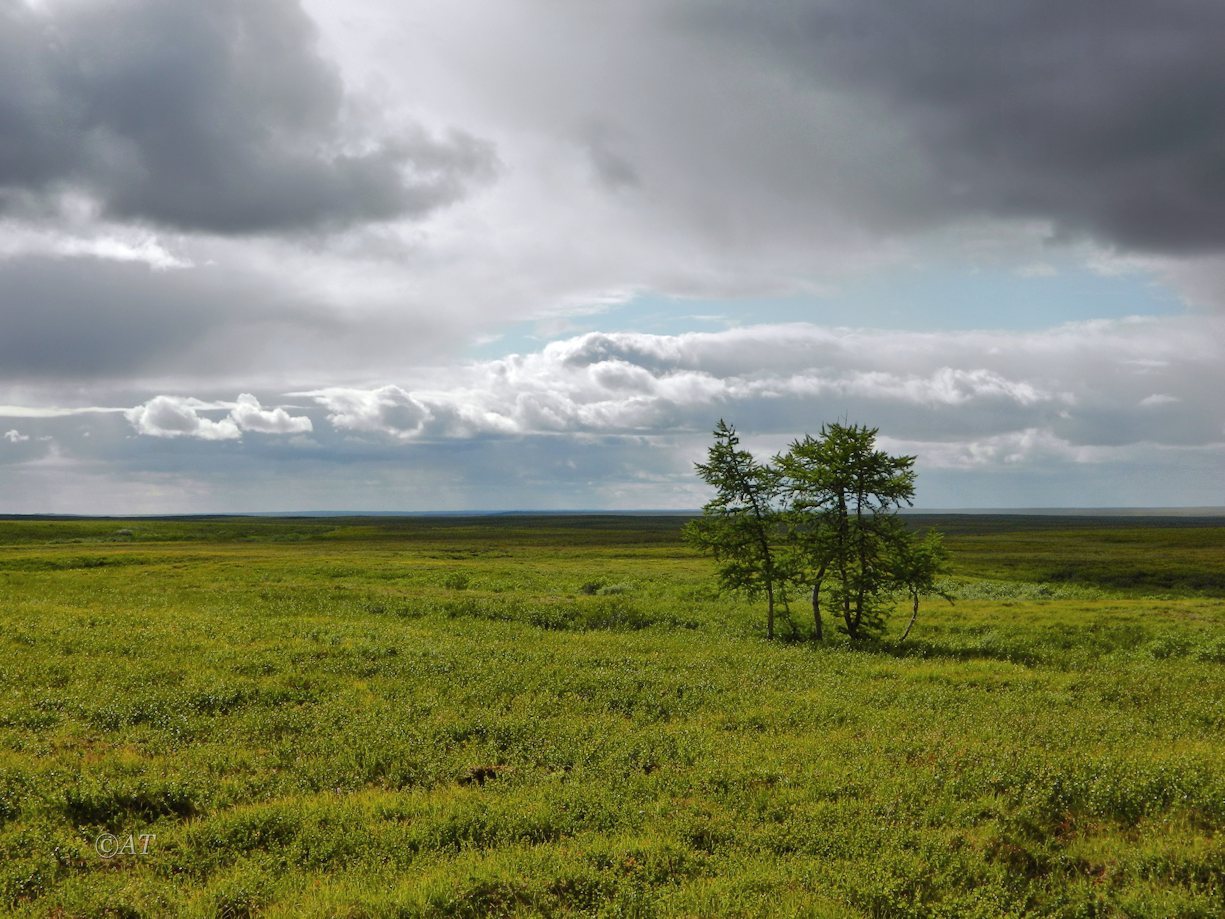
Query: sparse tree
(917,563)
(825,514)
(844,495)
(740,526)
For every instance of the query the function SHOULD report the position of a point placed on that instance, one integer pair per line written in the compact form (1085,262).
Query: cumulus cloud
(250,416)
(171,416)
(220,117)
(988,396)
(616,419)
(176,416)
(387,410)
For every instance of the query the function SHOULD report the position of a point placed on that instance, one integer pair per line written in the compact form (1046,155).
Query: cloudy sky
(261,255)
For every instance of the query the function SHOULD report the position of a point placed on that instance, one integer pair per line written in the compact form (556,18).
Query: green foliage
(316,724)
(916,567)
(824,515)
(844,497)
(740,525)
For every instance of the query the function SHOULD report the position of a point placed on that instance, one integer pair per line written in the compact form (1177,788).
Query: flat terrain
(472,717)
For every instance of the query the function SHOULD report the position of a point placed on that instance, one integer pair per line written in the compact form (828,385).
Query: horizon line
(1039,511)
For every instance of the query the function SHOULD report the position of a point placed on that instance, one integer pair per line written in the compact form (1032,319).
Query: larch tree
(916,565)
(741,525)
(850,492)
(826,514)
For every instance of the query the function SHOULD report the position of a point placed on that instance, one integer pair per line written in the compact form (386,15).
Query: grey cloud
(125,329)
(614,170)
(82,319)
(612,167)
(651,352)
(1105,118)
(221,117)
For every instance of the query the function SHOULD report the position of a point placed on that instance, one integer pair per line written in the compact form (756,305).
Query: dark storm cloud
(87,319)
(219,116)
(1106,118)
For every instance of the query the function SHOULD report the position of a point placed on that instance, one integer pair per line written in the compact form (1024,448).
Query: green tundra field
(560,716)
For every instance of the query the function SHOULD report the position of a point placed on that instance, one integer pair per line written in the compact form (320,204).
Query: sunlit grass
(497,717)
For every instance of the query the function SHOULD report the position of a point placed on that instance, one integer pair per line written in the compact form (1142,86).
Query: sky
(398,255)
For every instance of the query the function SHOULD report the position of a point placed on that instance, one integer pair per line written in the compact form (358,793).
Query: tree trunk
(848,616)
(769,610)
(860,552)
(816,611)
(843,550)
(914,614)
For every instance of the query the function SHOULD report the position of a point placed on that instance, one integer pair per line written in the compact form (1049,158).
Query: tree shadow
(922,649)
(925,648)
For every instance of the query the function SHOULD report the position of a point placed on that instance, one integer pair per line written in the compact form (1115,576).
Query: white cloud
(172,416)
(14,436)
(991,397)
(176,416)
(996,418)
(250,416)
(387,410)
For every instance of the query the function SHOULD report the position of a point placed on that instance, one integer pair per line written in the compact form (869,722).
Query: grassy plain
(472,717)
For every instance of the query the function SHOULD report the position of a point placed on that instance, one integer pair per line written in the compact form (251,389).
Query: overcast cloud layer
(261,255)
(218,117)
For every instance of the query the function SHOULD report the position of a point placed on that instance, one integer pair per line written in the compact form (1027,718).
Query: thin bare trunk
(816,611)
(860,552)
(769,610)
(844,540)
(816,605)
(914,614)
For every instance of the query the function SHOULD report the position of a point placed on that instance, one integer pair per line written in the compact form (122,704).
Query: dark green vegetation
(822,518)
(514,715)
